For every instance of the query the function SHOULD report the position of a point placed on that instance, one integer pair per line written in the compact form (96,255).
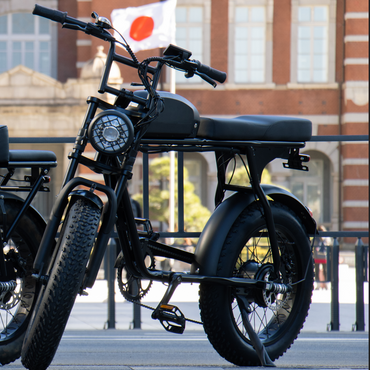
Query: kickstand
(256,341)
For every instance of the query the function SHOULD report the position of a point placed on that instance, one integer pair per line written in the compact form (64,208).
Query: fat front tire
(276,318)
(57,298)
(17,306)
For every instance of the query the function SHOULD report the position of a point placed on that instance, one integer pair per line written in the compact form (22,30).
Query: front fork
(81,140)
(70,182)
(45,250)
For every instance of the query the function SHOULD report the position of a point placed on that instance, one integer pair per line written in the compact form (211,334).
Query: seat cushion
(32,158)
(251,127)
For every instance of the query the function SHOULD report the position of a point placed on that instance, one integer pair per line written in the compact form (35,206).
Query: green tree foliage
(240,176)
(196,215)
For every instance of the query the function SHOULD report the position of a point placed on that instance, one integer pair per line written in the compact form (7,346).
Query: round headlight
(111,132)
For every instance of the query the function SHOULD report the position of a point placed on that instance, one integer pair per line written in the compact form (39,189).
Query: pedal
(145,229)
(171,318)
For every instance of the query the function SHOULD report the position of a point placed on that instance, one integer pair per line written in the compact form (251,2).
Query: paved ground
(86,346)
(153,350)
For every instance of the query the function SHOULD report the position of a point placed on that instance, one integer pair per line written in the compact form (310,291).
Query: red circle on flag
(141,28)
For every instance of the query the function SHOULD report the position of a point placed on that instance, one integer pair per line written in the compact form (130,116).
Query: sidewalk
(90,312)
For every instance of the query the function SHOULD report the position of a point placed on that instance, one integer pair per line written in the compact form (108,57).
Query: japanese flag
(148,26)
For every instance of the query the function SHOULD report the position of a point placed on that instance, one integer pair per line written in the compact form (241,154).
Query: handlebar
(191,66)
(72,23)
(211,72)
(55,15)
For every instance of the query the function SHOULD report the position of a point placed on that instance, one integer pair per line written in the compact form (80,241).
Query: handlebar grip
(54,15)
(211,72)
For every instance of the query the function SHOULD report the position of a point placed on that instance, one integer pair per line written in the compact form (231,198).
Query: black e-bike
(253,259)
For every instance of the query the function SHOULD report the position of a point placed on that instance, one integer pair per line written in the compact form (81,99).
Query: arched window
(313,187)
(27,40)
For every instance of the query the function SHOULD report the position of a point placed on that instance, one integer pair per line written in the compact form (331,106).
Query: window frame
(206,44)
(36,38)
(331,41)
(268,46)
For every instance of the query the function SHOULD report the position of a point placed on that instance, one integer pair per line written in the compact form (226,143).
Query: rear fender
(215,232)
(32,210)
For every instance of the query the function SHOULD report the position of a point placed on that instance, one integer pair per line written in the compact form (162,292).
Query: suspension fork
(109,214)
(256,186)
(81,140)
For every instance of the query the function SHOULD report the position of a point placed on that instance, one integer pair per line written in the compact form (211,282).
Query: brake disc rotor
(274,301)
(8,300)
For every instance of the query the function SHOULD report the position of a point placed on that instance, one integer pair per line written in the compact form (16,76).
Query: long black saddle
(253,127)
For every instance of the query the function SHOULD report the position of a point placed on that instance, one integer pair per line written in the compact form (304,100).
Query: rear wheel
(276,318)
(57,298)
(17,305)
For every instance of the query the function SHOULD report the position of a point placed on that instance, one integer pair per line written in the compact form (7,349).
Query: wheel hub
(265,298)
(9,300)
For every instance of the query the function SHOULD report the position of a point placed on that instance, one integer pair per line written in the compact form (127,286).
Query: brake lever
(91,29)
(192,70)
(73,27)
(206,78)
(97,31)
(193,65)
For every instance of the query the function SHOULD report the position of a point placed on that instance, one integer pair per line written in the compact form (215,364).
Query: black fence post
(136,322)
(111,256)
(361,274)
(334,323)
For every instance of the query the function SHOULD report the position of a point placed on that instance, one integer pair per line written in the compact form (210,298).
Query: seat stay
(33,189)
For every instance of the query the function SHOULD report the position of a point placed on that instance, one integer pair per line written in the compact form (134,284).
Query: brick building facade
(305,58)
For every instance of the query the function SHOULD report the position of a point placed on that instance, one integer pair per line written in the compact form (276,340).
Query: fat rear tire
(57,298)
(15,312)
(277,323)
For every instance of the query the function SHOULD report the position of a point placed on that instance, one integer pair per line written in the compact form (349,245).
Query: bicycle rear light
(111,132)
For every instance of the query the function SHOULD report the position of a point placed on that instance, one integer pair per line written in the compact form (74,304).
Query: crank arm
(256,341)
(175,282)
(171,318)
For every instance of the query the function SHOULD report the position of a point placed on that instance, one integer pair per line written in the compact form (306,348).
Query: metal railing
(361,251)
(361,276)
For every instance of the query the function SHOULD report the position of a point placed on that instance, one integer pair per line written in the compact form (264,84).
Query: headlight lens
(111,132)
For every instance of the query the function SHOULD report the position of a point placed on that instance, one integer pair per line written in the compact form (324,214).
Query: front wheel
(56,300)
(276,318)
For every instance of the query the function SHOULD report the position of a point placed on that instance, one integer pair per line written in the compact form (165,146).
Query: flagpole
(172,166)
